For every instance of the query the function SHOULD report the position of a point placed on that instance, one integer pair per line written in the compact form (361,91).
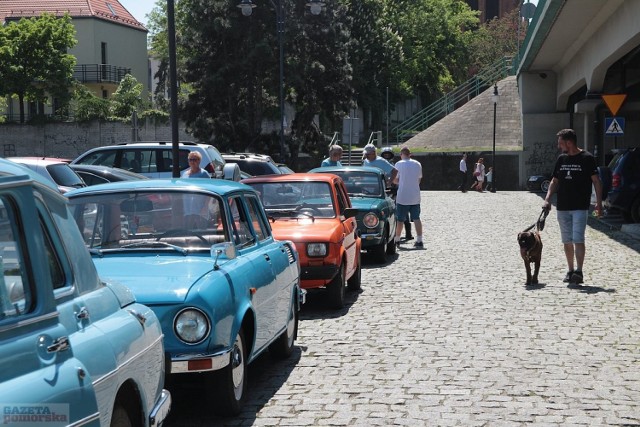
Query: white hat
(369,148)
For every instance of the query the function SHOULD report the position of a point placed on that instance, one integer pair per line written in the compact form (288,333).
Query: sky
(139,8)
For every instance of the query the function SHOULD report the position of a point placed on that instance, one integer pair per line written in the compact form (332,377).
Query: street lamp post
(494,98)
(315,7)
(173,87)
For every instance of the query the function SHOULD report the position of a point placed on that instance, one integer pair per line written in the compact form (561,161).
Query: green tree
(376,56)
(436,35)
(126,99)
(34,61)
(87,106)
(496,39)
(318,73)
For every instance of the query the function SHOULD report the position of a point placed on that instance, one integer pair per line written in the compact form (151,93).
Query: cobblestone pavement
(450,335)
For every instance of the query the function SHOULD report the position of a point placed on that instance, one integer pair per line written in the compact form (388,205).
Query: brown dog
(531,252)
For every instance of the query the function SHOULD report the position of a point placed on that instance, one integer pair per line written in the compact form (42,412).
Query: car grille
(290,255)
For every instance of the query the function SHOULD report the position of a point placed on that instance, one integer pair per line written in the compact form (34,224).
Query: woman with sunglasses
(195,171)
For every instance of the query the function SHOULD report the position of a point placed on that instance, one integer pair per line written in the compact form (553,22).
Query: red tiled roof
(109,10)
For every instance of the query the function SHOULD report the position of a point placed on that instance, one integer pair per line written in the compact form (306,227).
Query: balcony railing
(100,73)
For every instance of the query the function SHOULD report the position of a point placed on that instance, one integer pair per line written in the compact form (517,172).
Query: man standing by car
(371,158)
(573,175)
(335,154)
(408,198)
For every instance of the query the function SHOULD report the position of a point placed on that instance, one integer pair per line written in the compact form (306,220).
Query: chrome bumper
(180,363)
(302,297)
(160,410)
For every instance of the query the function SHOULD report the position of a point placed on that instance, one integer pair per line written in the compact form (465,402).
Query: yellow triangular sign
(614,102)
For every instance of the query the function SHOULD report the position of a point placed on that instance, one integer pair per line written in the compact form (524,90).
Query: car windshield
(291,198)
(257,167)
(63,175)
(150,220)
(361,184)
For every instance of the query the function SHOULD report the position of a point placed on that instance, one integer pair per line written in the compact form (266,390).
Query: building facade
(111,44)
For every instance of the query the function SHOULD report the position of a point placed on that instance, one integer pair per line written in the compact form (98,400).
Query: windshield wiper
(95,251)
(176,248)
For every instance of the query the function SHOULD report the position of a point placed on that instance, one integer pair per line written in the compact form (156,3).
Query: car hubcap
(237,363)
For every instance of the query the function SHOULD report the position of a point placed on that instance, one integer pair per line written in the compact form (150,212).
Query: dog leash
(539,224)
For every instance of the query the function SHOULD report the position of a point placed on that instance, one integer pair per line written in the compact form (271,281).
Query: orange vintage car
(313,210)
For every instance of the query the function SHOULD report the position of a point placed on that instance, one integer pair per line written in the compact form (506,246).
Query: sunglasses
(193,159)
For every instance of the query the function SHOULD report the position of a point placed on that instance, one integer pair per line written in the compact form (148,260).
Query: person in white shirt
(408,198)
(463,173)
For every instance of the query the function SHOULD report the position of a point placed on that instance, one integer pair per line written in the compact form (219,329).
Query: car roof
(249,156)
(301,176)
(157,143)
(38,161)
(15,172)
(218,186)
(329,169)
(108,171)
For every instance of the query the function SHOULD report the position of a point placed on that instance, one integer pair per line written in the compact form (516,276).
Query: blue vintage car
(200,253)
(377,210)
(73,349)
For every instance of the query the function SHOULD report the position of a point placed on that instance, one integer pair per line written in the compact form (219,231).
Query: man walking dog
(573,175)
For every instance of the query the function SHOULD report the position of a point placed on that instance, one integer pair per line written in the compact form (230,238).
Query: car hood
(366,204)
(305,230)
(156,279)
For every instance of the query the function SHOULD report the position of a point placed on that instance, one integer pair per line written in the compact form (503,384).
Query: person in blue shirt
(371,158)
(195,171)
(335,154)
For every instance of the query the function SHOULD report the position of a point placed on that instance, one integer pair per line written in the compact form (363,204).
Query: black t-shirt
(574,178)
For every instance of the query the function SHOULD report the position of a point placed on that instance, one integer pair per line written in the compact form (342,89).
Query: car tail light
(616,180)
(209,168)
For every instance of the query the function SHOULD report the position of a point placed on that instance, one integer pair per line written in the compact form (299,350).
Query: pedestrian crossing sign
(614,126)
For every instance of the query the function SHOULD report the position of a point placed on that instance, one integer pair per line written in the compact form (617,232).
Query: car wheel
(391,246)
(228,385)
(282,347)
(379,252)
(635,210)
(336,289)
(355,281)
(544,186)
(120,416)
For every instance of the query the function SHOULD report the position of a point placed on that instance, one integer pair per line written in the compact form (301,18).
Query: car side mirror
(226,249)
(350,212)
(231,172)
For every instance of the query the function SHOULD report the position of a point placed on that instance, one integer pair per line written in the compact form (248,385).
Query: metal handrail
(335,140)
(453,100)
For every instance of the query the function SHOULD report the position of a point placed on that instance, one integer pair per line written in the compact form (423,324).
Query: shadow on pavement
(318,306)
(588,289)
(535,287)
(266,376)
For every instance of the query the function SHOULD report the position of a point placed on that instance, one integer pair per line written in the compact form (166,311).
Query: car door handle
(61,344)
(83,314)
(266,257)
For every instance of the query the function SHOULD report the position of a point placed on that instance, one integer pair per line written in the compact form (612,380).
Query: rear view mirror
(284,190)
(350,212)
(136,205)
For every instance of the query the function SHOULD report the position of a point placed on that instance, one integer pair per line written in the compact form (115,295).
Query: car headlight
(191,325)
(370,220)
(316,249)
